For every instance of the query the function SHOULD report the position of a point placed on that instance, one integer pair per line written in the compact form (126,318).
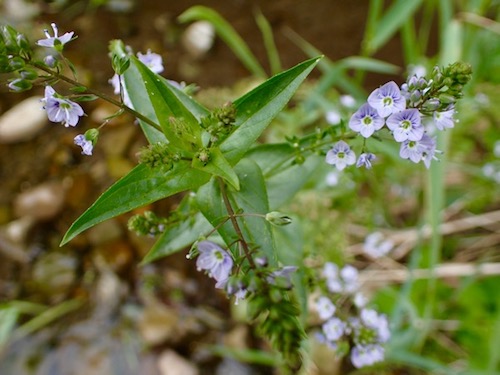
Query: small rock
(23,121)
(54,273)
(42,202)
(158,323)
(171,363)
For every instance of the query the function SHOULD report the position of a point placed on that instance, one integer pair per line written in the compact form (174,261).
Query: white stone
(42,202)
(23,121)
(198,38)
(171,363)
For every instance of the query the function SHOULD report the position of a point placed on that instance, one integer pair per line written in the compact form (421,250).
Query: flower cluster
(363,328)
(412,113)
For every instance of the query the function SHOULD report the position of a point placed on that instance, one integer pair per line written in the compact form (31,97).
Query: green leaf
(155,98)
(283,178)
(250,199)
(8,319)
(227,33)
(256,109)
(218,166)
(267,35)
(141,186)
(178,237)
(393,19)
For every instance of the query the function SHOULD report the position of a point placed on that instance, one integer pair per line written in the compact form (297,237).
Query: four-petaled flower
(421,150)
(216,261)
(60,109)
(406,125)
(444,120)
(333,329)
(387,99)
(366,121)
(55,41)
(341,155)
(84,143)
(325,308)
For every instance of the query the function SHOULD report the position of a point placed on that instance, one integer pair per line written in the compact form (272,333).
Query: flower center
(387,101)
(341,155)
(406,124)
(367,120)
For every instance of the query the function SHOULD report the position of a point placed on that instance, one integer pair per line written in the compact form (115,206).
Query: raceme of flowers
(365,328)
(396,108)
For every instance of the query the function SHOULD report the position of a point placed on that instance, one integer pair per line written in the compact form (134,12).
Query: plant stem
(98,94)
(235,224)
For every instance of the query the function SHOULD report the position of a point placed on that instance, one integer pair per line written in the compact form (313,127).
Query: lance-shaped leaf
(256,109)
(250,199)
(141,186)
(155,98)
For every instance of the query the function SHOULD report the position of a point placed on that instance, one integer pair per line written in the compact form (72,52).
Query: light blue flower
(333,329)
(86,145)
(152,60)
(366,121)
(421,150)
(325,308)
(366,160)
(406,125)
(387,99)
(55,41)
(341,155)
(362,356)
(444,120)
(60,109)
(376,245)
(216,261)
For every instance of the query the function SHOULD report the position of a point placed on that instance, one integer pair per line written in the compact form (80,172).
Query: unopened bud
(19,85)
(278,219)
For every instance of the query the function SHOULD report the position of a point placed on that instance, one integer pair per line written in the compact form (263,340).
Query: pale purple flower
(406,125)
(333,117)
(376,245)
(333,329)
(345,281)
(423,149)
(84,143)
(444,119)
(362,356)
(118,84)
(378,322)
(284,273)
(341,155)
(325,308)
(347,101)
(366,160)
(349,276)
(55,41)
(216,261)
(366,121)
(387,99)
(359,300)
(152,60)
(60,109)
(332,178)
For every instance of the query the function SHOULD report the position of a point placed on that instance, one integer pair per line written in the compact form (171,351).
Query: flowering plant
(229,218)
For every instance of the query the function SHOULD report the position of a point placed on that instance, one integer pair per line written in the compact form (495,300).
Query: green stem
(235,224)
(98,94)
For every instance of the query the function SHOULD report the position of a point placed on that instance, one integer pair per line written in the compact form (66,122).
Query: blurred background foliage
(445,222)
